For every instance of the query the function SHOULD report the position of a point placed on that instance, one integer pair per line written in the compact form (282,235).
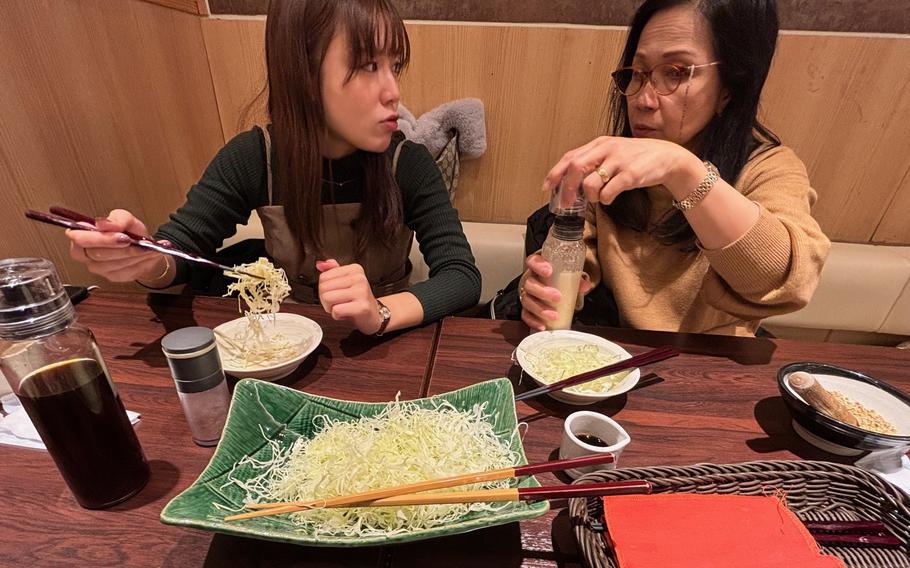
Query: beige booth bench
(864,289)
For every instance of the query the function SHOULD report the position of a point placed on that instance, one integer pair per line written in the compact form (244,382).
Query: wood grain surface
(105,105)
(43,526)
(717,402)
(544,89)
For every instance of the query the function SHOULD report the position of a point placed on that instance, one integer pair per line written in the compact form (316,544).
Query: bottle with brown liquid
(55,368)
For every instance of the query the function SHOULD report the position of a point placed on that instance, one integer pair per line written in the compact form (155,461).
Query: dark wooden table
(41,524)
(718,402)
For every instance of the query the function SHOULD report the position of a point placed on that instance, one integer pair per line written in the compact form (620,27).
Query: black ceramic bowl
(838,437)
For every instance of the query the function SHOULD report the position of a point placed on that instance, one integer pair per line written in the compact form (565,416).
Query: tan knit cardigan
(772,269)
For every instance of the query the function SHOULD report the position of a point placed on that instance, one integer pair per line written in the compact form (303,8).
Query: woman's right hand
(109,253)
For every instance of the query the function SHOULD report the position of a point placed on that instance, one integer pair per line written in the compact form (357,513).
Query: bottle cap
(33,301)
(192,354)
(565,200)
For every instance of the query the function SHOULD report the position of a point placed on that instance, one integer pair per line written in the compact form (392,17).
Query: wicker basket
(814,491)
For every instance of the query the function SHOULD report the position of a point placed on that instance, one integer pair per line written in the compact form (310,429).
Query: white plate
(570,338)
(295,328)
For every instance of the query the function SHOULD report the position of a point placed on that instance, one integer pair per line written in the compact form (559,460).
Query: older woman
(700,219)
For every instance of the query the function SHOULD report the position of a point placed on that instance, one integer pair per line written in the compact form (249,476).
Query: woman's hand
(345,294)
(109,253)
(609,165)
(538,300)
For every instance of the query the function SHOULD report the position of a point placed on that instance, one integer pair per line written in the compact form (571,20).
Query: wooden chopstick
(647,358)
(265,509)
(486,496)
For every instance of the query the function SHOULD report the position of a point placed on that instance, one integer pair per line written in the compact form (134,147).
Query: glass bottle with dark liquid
(54,367)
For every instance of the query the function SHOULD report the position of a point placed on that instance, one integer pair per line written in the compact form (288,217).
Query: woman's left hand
(609,165)
(345,294)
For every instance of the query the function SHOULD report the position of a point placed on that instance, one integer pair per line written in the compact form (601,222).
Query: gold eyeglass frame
(648,77)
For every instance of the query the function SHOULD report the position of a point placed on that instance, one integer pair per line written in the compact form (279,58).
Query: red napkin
(709,531)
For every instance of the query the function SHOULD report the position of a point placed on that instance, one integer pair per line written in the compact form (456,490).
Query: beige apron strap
(395,158)
(267,139)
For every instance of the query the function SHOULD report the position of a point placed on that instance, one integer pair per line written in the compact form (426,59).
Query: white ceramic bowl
(293,327)
(568,338)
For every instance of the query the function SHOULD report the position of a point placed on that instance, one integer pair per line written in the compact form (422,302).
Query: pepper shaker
(192,356)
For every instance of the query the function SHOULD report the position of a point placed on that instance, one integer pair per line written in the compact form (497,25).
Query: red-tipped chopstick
(636,486)
(66,218)
(266,509)
(648,358)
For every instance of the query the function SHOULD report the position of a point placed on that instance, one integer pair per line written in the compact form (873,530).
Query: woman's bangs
(376,30)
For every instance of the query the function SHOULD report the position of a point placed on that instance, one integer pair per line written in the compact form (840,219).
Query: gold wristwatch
(386,314)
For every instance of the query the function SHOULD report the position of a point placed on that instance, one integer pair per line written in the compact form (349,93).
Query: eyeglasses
(665,78)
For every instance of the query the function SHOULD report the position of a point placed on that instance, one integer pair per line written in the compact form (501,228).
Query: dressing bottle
(565,250)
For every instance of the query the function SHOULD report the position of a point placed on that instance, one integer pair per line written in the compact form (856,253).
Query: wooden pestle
(819,398)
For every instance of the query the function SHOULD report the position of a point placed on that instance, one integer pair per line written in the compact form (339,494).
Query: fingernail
(123,239)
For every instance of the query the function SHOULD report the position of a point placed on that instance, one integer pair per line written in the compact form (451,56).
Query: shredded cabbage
(253,347)
(403,444)
(261,295)
(553,364)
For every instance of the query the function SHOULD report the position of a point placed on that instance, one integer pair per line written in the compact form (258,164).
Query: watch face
(385,312)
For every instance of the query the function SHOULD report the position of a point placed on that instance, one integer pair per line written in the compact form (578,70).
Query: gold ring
(521,294)
(604,176)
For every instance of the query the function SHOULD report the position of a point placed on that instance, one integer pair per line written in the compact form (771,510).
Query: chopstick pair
(69,219)
(647,358)
(411,493)
(852,533)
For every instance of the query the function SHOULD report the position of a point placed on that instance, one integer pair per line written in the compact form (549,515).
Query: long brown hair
(297,37)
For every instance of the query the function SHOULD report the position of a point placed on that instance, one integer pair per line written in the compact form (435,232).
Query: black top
(235,183)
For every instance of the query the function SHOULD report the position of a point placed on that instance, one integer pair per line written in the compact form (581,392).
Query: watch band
(386,315)
(699,193)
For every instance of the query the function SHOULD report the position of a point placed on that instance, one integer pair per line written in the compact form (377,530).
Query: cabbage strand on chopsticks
(253,346)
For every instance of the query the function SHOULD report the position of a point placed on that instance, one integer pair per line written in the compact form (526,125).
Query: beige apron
(387,269)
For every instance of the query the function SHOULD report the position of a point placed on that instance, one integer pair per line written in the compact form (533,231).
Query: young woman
(340,195)
(701,218)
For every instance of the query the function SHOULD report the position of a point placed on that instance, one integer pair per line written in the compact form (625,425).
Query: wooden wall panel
(188,6)
(105,105)
(895,225)
(544,89)
(843,103)
(236,52)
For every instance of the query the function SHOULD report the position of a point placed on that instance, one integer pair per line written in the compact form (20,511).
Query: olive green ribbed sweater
(234,184)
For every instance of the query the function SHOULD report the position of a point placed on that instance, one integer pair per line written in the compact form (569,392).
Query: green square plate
(284,415)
